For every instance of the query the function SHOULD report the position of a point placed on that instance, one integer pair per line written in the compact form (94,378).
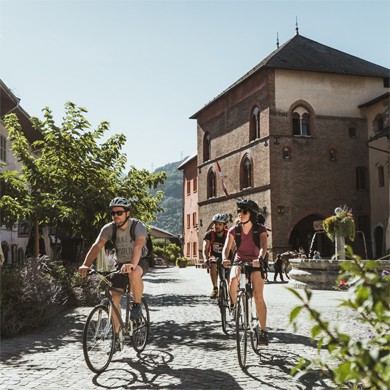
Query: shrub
(352,363)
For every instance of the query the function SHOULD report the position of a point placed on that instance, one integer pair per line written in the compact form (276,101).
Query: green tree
(362,363)
(72,175)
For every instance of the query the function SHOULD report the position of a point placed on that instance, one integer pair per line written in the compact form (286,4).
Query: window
(381,176)
(246,177)
(194,219)
(188,221)
(206,147)
(286,153)
(195,184)
(254,132)
(211,189)
(301,122)
(194,249)
(3,148)
(352,132)
(332,154)
(379,123)
(361,178)
(188,251)
(188,187)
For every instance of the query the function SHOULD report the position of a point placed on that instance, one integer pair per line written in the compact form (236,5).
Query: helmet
(220,218)
(120,202)
(249,204)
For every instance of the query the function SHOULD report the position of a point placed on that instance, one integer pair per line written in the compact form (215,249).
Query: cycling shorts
(122,280)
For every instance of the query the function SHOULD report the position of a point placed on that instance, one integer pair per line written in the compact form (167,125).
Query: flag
(222,178)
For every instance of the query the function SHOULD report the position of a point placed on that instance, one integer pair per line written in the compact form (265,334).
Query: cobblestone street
(187,348)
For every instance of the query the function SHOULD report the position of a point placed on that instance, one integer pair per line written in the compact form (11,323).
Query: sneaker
(233,313)
(136,312)
(214,294)
(262,337)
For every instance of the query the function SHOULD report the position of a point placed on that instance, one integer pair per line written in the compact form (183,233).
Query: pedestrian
(130,252)
(278,268)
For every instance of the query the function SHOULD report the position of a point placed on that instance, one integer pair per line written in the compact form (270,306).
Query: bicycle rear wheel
(241,329)
(140,334)
(98,339)
(223,303)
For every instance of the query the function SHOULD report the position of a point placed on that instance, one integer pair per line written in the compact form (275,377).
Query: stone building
(292,135)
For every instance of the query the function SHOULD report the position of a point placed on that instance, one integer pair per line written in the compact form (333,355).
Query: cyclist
(252,250)
(213,242)
(130,255)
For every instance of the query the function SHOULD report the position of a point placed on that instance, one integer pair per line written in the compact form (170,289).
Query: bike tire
(241,329)
(140,335)
(223,303)
(98,339)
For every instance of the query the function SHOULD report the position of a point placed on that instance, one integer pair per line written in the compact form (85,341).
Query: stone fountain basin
(319,274)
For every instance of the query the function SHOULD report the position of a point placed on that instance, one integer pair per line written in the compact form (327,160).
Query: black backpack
(255,231)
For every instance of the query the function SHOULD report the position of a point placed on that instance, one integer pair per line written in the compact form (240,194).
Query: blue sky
(147,66)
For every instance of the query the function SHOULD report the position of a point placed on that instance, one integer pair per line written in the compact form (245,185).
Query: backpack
(255,231)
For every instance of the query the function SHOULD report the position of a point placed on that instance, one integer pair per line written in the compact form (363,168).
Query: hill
(171,219)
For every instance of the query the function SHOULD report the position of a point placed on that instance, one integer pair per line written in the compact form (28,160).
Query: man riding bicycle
(213,243)
(130,255)
(250,238)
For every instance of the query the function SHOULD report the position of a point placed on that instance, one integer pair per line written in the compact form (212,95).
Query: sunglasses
(243,211)
(120,213)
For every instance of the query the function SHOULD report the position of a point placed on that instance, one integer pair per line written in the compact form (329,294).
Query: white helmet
(120,202)
(220,218)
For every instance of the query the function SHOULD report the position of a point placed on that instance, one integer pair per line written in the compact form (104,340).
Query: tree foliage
(362,363)
(72,174)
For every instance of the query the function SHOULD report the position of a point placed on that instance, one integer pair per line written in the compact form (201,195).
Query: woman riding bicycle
(251,250)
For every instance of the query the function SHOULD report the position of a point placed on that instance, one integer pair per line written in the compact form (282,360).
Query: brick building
(292,135)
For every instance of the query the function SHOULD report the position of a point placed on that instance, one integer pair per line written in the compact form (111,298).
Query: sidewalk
(187,348)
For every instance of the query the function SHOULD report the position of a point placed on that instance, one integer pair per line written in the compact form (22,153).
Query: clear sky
(147,66)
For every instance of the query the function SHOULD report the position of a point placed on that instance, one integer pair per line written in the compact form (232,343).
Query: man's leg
(136,283)
(214,279)
(117,302)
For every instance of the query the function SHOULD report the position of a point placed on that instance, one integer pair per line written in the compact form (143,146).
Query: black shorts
(122,280)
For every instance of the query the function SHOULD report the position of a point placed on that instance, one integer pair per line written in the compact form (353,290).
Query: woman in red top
(248,251)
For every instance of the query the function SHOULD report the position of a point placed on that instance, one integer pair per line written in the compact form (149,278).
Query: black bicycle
(224,297)
(246,317)
(99,334)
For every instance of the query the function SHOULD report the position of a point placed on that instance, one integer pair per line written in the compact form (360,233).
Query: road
(187,348)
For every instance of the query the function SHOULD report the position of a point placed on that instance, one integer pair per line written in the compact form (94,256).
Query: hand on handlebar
(127,268)
(227,263)
(83,271)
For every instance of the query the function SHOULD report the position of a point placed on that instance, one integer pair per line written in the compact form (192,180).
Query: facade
(290,134)
(377,114)
(191,249)
(14,240)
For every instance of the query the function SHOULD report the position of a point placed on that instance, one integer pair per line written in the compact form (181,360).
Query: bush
(33,294)
(353,363)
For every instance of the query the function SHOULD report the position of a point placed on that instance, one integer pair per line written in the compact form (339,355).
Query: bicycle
(223,297)
(99,334)
(246,320)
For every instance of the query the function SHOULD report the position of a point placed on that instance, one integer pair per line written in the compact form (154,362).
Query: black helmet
(250,205)
(120,202)
(220,218)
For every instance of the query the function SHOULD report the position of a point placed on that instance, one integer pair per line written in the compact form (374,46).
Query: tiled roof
(300,53)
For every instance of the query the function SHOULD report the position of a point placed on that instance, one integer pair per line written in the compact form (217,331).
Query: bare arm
(137,250)
(226,249)
(206,246)
(91,256)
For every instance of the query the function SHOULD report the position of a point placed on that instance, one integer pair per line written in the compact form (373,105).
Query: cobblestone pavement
(187,348)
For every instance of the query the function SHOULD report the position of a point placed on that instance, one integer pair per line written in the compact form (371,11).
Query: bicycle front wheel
(242,328)
(98,339)
(140,335)
(223,302)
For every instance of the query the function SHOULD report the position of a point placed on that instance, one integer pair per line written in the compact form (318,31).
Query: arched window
(254,132)
(286,153)
(301,122)
(246,173)
(211,187)
(206,147)
(332,154)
